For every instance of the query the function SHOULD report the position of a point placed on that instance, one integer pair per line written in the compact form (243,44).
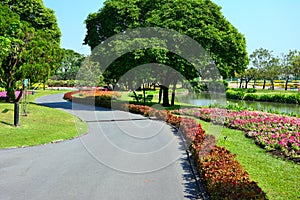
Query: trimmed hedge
(238,95)
(278,98)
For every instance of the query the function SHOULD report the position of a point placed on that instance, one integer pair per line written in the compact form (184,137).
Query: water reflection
(206,99)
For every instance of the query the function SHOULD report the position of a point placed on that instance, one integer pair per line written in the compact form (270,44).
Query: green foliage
(251,90)
(280,98)
(202,20)
(242,94)
(61,83)
(250,97)
(69,66)
(231,94)
(29,38)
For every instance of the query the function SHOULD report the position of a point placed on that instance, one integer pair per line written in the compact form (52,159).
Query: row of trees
(265,66)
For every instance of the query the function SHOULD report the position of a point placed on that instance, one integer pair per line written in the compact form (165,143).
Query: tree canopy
(202,20)
(30,42)
(70,65)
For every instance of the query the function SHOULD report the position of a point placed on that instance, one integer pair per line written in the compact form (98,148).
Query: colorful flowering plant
(271,131)
(4,94)
(225,178)
(99,97)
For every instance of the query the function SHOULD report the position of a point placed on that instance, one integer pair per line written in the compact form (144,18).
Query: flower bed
(96,97)
(274,132)
(225,178)
(3,95)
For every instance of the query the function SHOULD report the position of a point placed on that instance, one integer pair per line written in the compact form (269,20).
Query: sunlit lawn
(42,124)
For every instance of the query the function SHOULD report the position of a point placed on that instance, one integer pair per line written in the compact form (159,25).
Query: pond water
(206,99)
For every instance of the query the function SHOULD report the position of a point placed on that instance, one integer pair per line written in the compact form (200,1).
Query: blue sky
(271,24)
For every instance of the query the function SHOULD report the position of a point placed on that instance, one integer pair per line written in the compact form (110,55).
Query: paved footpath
(123,156)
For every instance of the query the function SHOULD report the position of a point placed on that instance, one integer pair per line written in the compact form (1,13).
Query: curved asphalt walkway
(123,156)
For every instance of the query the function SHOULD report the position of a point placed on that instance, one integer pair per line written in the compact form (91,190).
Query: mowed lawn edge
(41,126)
(278,178)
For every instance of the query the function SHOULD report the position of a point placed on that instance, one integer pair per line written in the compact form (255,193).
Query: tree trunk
(241,81)
(264,86)
(246,83)
(247,80)
(160,94)
(286,83)
(173,95)
(10,92)
(16,113)
(16,107)
(272,84)
(165,96)
(135,96)
(144,94)
(44,85)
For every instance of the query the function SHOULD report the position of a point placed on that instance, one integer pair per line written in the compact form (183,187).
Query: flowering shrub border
(96,97)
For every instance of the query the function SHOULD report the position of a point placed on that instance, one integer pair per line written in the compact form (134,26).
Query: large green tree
(273,70)
(261,59)
(30,43)
(288,67)
(70,65)
(202,20)
(296,65)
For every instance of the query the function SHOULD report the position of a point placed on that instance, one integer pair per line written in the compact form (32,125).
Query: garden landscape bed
(223,176)
(278,134)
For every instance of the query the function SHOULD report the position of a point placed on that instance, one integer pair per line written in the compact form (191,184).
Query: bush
(251,90)
(38,86)
(61,83)
(239,94)
(251,97)
(232,94)
(280,98)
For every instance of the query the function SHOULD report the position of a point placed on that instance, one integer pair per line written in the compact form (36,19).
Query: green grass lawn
(126,97)
(42,125)
(280,179)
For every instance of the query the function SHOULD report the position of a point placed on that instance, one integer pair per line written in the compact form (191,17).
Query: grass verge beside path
(278,178)
(41,126)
